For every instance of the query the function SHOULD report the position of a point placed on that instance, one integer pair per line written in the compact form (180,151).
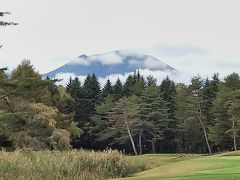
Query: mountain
(116,62)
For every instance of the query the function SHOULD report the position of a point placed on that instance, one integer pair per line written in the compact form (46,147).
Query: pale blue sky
(195,36)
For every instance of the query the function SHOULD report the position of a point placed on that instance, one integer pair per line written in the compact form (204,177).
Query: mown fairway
(219,167)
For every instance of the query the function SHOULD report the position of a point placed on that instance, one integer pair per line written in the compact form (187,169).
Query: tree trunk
(183,142)
(203,127)
(153,145)
(234,134)
(129,133)
(152,141)
(140,142)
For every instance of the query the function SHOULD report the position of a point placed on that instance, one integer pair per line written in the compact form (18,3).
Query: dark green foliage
(127,88)
(188,138)
(101,126)
(168,93)
(31,113)
(137,117)
(73,87)
(89,97)
(118,90)
(107,89)
(226,111)
(151,81)
(154,115)
(134,84)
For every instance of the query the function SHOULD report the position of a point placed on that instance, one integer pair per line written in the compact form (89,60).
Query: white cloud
(134,62)
(107,58)
(110,58)
(64,78)
(126,52)
(81,61)
(159,75)
(153,64)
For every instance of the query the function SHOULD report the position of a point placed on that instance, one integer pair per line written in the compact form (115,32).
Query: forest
(137,116)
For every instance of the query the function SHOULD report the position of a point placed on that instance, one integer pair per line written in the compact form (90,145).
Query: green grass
(220,167)
(112,164)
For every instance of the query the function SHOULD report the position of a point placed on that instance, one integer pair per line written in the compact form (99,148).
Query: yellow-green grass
(65,165)
(219,167)
(155,160)
(112,164)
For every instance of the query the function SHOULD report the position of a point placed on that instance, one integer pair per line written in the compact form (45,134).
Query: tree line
(136,116)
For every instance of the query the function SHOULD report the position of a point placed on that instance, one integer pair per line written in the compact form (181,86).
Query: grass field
(220,167)
(89,165)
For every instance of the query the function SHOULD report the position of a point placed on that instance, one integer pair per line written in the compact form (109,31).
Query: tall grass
(66,165)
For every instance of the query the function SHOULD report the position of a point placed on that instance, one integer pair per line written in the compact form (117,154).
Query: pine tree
(73,87)
(30,113)
(101,131)
(154,115)
(168,93)
(127,88)
(124,119)
(233,110)
(151,81)
(25,70)
(107,89)
(183,115)
(85,107)
(197,102)
(91,93)
(118,89)
(224,132)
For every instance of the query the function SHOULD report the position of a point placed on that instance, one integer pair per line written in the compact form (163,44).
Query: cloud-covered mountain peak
(116,62)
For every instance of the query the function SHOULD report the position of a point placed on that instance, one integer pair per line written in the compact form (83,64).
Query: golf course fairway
(216,167)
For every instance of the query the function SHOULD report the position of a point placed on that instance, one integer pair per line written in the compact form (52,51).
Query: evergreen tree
(25,70)
(134,84)
(151,81)
(224,133)
(168,93)
(118,89)
(124,119)
(127,88)
(107,89)
(73,87)
(233,110)
(85,107)
(182,115)
(30,113)
(101,130)
(154,115)
(91,93)
(197,102)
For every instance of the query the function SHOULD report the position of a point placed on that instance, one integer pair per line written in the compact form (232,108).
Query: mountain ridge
(114,62)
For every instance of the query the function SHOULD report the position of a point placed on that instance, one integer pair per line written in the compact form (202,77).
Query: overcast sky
(195,36)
